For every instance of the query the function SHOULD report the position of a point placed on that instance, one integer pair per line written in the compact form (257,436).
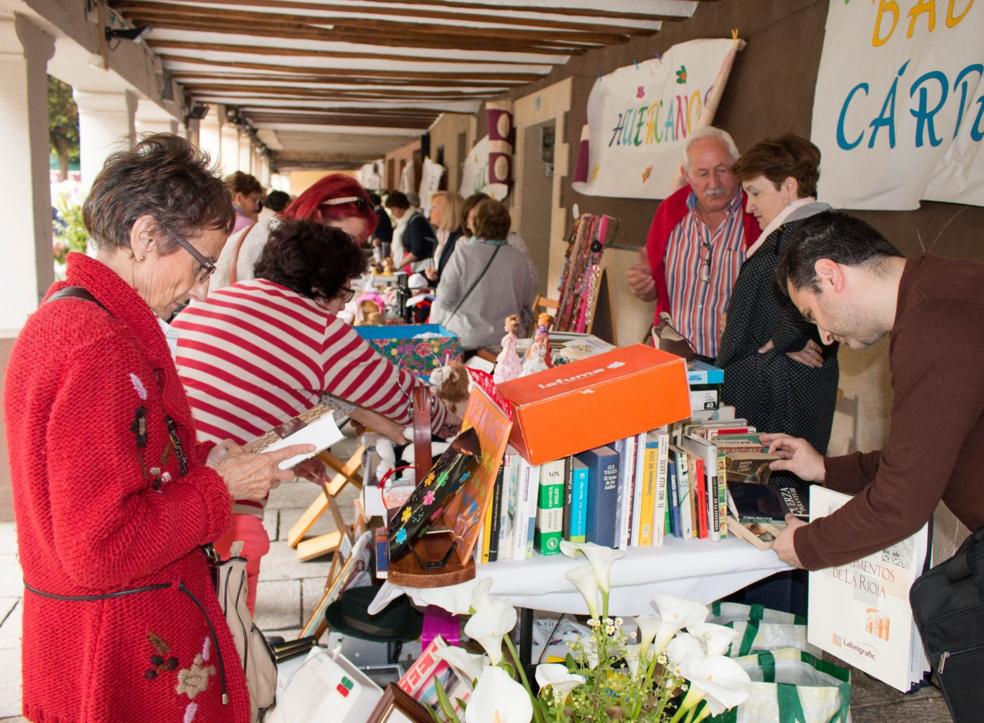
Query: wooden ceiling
(308,75)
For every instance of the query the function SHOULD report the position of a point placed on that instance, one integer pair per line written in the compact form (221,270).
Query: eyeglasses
(358,201)
(346,294)
(206,264)
(704,262)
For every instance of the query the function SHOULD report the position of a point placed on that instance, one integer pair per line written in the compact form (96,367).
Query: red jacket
(668,214)
(90,521)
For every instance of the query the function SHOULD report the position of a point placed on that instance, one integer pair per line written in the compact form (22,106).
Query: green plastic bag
(792,686)
(760,628)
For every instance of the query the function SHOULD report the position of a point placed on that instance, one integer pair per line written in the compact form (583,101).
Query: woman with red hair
(336,200)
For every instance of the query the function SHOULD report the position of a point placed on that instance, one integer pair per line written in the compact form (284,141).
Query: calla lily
(489,624)
(557,677)
(480,593)
(716,638)
(586,583)
(648,627)
(675,614)
(720,681)
(685,647)
(632,653)
(468,665)
(498,699)
(456,599)
(600,557)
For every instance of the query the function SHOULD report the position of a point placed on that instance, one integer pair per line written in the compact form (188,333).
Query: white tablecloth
(698,570)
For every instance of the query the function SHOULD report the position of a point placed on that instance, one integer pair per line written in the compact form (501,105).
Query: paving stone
(11,576)
(281,563)
(10,625)
(271,524)
(918,710)
(8,538)
(10,687)
(278,605)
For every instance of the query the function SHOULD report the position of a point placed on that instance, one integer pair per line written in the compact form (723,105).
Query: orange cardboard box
(594,401)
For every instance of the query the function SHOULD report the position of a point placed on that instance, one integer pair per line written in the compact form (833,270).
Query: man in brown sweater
(856,287)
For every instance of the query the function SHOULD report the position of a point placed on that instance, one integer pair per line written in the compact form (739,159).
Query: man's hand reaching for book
(250,475)
(797,456)
(783,546)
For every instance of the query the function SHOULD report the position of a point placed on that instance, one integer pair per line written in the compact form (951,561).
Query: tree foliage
(63,124)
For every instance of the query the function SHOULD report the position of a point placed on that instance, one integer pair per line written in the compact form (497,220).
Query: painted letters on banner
(898,111)
(639,117)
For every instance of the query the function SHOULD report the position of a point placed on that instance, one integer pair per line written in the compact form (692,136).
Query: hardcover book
(550,509)
(315,426)
(602,466)
(576,501)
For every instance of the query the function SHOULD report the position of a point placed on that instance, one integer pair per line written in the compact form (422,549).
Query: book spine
(579,501)
(713,510)
(676,512)
(686,524)
(695,467)
(627,471)
(550,509)
(648,494)
(521,513)
(510,473)
(602,497)
(620,447)
(496,508)
(568,497)
(659,506)
(531,511)
(671,482)
(639,475)
(722,499)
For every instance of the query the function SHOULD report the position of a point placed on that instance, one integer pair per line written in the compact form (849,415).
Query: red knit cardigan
(102,507)
(668,214)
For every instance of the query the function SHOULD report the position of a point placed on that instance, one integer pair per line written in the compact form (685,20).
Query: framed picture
(397,707)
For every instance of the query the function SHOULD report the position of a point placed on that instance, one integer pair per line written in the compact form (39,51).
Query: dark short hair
(163,176)
(397,199)
(492,220)
(374,197)
(470,203)
(310,258)
(277,201)
(831,235)
(243,183)
(780,158)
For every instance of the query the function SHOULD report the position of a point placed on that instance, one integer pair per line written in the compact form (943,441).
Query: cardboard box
(589,403)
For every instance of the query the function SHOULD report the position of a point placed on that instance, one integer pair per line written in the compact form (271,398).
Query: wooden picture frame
(396,706)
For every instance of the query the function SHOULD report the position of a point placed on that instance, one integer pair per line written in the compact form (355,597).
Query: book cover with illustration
(860,612)
(316,426)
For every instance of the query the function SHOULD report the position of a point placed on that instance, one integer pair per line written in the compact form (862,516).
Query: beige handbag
(254,651)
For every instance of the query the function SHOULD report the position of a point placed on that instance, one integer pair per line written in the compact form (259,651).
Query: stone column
(245,153)
(210,135)
(106,125)
(151,118)
(230,148)
(28,267)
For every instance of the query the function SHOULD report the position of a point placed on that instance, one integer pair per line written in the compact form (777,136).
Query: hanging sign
(898,111)
(639,117)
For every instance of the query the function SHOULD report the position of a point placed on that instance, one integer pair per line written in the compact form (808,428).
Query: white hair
(709,132)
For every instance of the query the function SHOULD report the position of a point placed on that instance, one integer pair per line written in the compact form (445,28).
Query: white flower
(722,681)
(468,665)
(600,557)
(648,627)
(498,699)
(587,584)
(480,593)
(716,638)
(683,648)
(559,678)
(632,653)
(676,613)
(456,599)
(489,624)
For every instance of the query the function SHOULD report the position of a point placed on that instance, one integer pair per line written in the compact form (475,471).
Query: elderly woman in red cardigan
(113,497)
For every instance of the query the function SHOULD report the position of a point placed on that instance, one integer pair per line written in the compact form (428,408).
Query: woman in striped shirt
(261,351)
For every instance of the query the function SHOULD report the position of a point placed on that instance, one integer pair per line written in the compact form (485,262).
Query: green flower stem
(604,603)
(446,707)
(704,712)
(537,713)
(692,698)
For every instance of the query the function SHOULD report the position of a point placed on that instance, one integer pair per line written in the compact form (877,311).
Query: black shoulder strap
(477,279)
(75,292)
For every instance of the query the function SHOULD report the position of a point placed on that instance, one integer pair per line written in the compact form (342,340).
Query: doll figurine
(538,357)
(508,365)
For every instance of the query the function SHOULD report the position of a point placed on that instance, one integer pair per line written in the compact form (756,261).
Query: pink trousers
(256,543)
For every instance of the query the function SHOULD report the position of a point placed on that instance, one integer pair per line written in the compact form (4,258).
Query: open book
(315,426)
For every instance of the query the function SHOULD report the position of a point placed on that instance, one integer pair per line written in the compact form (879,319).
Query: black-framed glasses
(704,262)
(207,266)
(346,294)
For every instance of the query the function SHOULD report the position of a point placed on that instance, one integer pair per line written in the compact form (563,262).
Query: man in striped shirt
(696,245)
(261,351)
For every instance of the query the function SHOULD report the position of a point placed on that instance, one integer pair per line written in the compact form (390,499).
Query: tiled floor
(288,589)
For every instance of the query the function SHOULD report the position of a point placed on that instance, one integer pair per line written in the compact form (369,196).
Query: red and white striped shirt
(701,268)
(255,354)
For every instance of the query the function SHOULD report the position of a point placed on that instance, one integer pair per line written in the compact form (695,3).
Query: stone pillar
(265,171)
(106,125)
(210,135)
(245,153)
(28,267)
(151,118)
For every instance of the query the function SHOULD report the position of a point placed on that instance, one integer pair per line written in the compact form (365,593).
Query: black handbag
(948,608)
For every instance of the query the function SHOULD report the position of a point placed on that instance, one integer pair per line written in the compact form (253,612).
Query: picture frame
(396,706)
